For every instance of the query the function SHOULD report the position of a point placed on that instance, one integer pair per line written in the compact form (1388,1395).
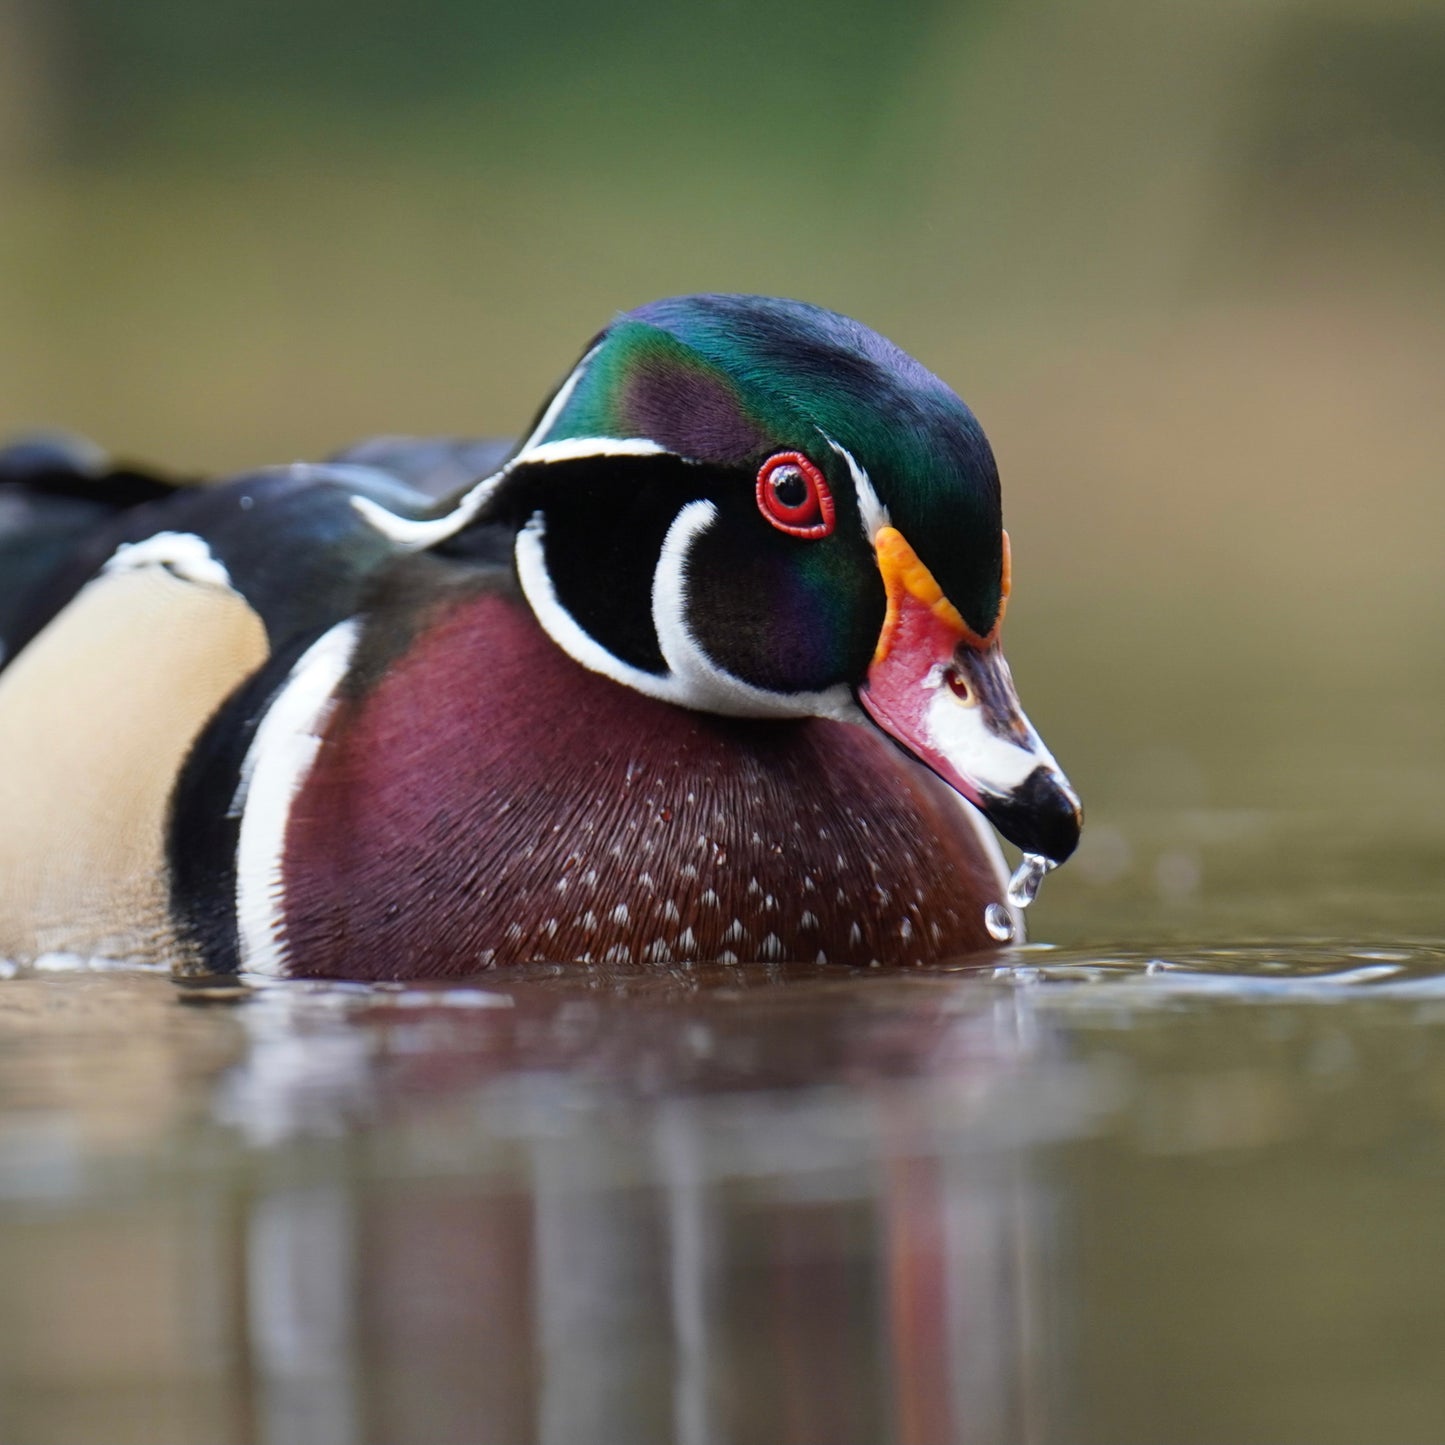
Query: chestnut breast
(488,801)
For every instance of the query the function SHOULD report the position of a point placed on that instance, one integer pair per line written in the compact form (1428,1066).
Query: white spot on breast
(709,899)
(736,933)
(855,934)
(808,920)
(514,932)
(770,902)
(549,929)
(659,952)
(771,947)
(727,956)
(620,913)
(588,920)
(821,958)
(618,953)
(670,913)
(905,930)
(686,942)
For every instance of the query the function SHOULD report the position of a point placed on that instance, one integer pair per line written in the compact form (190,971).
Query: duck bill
(945,694)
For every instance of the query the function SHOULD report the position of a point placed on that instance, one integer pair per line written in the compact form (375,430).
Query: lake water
(1179,1178)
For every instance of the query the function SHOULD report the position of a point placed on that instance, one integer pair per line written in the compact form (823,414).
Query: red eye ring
(812,515)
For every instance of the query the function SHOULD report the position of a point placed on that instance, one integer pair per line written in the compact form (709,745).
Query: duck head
(761,508)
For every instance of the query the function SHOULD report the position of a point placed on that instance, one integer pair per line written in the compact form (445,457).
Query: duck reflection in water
(672,1215)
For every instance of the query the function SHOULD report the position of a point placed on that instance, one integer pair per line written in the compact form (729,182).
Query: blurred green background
(1187,262)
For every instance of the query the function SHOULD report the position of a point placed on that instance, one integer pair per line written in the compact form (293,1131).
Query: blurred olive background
(1187,262)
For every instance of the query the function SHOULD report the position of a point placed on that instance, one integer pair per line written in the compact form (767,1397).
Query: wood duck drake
(698,671)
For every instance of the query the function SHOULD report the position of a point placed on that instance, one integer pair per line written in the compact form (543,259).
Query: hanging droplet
(999,922)
(1023,888)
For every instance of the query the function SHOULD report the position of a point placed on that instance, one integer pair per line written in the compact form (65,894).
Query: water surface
(1141,1189)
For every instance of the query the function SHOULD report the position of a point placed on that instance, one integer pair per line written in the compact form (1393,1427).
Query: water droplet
(1023,887)
(999,922)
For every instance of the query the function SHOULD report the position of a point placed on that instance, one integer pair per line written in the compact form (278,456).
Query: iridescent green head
(731,380)
(759,507)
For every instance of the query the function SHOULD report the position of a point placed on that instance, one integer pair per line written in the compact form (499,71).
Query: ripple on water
(1314,968)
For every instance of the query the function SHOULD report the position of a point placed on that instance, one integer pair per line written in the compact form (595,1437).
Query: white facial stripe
(701,683)
(870,508)
(961,735)
(182,554)
(414,535)
(277,763)
(573,449)
(548,419)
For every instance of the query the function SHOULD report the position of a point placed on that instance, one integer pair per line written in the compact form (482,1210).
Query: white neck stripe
(692,679)
(701,683)
(563,628)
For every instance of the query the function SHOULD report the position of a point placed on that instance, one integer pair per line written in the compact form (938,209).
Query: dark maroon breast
(491,802)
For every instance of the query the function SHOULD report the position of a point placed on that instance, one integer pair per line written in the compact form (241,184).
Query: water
(1023,888)
(999,922)
(1184,1184)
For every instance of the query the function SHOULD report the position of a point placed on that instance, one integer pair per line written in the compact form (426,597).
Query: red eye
(793,495)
